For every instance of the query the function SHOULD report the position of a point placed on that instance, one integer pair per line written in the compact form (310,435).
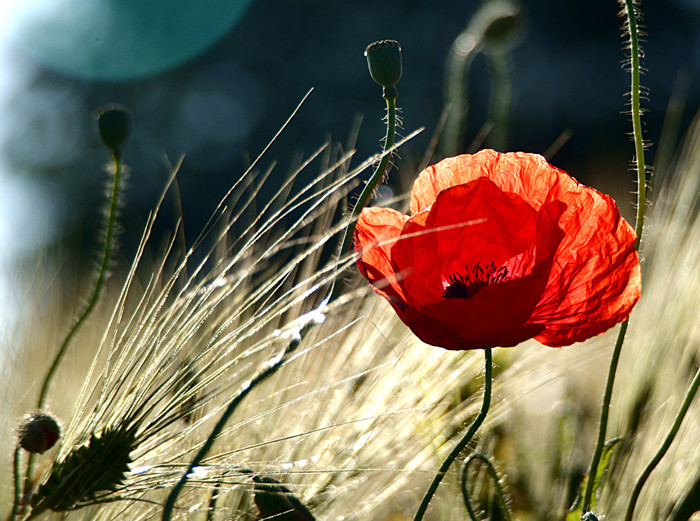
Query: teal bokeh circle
(123,39)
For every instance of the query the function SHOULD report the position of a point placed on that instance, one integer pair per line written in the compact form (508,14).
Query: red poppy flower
(500,248)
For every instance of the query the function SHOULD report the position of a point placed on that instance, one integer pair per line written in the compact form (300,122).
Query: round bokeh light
(116,40)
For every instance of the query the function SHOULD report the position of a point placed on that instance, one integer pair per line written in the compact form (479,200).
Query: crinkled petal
(528,175)
(377,230)
(596,280)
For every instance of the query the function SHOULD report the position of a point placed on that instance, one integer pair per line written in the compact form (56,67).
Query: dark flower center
(468,284)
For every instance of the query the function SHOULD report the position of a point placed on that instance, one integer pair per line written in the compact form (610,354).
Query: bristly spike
(99,466)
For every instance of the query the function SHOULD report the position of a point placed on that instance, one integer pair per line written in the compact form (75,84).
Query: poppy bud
(384,62)
(38,432)
(274,500)
(114,124)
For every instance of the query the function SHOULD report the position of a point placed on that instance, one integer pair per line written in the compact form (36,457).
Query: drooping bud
(384,62)
(274,500)
(38,432)
(114,123)
(500,24)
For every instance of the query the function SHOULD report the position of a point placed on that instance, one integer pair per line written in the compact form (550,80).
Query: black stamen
(465,286)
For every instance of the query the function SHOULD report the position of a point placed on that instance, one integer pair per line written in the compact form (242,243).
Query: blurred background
(214,80)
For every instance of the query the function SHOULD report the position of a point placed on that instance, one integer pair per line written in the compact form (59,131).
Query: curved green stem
(464,49)
(103,271)
(639,228)
(488,372)
(661,452)
(502,97)
(214,434)
(110,226)
(496,480)
(390,98)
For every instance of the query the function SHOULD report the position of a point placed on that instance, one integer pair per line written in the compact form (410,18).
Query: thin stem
(502,97)
(604,412)
(496,480)
(99,282)
(488,372)
(214,434)
(212,502)
(661,452)
(639,228)
(102,273)
(390,98)
(464,49)
(637,120)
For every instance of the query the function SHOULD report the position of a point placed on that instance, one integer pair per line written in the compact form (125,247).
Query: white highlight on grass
(312,318)
(198,473)
(137,471)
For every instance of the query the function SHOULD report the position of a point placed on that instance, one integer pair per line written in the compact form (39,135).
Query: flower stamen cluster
(460,285)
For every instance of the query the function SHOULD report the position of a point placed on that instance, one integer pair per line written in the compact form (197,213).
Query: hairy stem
(488,372)
(390,98)
(502,97)
(639,228)
(661,452)
(496,481)
(109,228)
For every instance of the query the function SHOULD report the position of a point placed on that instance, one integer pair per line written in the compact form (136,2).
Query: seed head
(384,62)
(114,123)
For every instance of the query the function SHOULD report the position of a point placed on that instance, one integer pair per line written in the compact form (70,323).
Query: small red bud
(38,432)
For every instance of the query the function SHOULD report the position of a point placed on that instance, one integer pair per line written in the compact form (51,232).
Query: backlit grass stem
(488,378)
(639,228)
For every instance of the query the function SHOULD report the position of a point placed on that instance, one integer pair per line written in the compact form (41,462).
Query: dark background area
(221,108)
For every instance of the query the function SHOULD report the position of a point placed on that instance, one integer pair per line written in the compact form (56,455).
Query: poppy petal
(597,277)
(377,230)
(528,175)
(472,224)
(502,230)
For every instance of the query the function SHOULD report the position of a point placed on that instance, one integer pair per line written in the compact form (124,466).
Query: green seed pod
(38,432)
(384,62)
(114,123)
